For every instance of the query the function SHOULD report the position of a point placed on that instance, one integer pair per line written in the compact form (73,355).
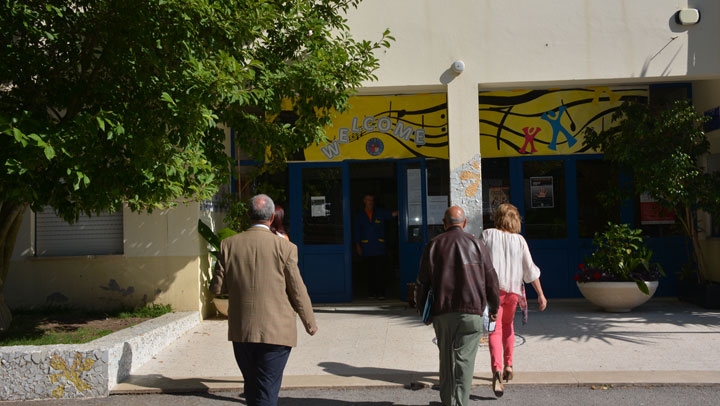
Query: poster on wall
(541,192)
(498,196)
(652,213)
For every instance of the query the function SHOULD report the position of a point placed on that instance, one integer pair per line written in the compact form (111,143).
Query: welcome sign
(379,127)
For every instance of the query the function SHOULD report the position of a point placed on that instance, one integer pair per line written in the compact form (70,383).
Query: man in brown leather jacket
(458,268)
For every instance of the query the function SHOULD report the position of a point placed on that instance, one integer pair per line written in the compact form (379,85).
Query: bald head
(454,216)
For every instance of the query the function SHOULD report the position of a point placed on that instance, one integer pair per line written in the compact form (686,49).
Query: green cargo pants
(458,336)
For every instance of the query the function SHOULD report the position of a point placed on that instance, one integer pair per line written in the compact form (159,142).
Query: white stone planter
(616,296)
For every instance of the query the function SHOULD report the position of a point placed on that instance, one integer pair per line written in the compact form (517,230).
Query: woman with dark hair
(277,226)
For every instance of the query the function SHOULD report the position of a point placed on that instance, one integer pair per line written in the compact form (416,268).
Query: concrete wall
(520,43)
(161,264)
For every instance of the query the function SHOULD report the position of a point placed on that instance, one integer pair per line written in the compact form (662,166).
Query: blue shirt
(370,232)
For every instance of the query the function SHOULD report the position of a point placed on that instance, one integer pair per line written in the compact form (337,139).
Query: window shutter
(96,235)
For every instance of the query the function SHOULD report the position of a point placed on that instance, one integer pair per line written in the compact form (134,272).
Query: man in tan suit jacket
(259,270)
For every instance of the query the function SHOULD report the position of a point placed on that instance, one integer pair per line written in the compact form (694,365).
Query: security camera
(458,66)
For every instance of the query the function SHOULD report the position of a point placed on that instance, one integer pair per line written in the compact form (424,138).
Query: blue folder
(427,311)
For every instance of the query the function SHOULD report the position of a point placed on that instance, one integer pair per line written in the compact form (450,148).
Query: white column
(464,150)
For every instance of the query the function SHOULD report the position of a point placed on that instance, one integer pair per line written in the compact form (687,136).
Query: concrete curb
(130,348)
(160,384)
(87,370)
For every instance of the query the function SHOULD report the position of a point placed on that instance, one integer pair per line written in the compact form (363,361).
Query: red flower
(596,275)
(576,277)
(581,267)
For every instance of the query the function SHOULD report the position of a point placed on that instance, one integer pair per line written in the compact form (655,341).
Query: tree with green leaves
(661,147)
(105,103)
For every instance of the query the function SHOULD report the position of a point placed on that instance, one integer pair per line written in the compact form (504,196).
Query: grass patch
(50,337)
(149,311)
(56,325)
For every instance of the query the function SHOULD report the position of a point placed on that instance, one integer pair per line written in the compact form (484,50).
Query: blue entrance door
(423,196)
(321,220)
(560,201)
(319,226)
(412,219)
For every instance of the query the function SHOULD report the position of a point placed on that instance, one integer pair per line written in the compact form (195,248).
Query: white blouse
(511,258)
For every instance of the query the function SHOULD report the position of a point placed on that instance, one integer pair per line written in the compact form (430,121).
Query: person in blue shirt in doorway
(370,244)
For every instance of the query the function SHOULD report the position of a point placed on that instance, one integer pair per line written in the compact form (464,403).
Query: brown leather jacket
(458,268)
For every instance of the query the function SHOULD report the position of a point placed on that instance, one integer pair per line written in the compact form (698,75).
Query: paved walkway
(665,341)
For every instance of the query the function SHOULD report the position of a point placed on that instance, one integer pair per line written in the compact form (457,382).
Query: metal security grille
(96,235)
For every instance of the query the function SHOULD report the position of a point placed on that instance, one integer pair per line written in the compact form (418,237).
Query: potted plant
(212,238)
(662,146)
(619,274)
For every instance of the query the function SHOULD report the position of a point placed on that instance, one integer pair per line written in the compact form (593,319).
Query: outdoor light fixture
(687,16)
(458,66)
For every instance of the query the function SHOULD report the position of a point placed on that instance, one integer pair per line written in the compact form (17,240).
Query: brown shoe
(497,384)
(508,373)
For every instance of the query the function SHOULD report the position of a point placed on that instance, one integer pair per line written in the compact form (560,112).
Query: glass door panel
(323,217)
(495,187)
(412,219)
(595,178)
(545,196)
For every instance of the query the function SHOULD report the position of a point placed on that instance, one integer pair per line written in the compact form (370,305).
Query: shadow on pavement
(156,383)
(581,321)
(409,379)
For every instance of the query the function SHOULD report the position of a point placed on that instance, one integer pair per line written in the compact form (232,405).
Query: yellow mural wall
(547,122)
(378,127)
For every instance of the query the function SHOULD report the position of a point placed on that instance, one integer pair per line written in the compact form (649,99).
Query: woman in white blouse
(514,265)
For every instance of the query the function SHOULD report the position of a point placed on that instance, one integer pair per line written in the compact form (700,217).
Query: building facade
(476,102)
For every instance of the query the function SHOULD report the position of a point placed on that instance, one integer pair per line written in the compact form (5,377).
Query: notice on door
(317,206)
(541,192)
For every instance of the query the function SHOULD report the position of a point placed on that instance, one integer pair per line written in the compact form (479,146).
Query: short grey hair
(261,208)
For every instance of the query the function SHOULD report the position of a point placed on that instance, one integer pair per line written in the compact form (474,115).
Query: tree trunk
(11,215)
(692,231)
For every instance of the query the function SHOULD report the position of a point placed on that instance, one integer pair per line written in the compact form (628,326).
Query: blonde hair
(507,218)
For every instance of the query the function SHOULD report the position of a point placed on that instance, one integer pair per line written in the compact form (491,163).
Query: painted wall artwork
(547,122)
(379,127)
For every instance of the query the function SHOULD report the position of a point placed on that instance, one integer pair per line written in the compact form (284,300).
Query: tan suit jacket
(260,272)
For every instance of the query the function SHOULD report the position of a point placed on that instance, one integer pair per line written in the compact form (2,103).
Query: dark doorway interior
(380,179)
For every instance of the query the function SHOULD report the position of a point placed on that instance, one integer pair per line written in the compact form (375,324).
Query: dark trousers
(375,271)
(262,367)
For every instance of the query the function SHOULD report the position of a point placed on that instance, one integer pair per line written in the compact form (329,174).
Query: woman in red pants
(515,267)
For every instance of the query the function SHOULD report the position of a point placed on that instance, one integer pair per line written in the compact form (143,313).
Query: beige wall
(163,263)
(104,282)
(520,43)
